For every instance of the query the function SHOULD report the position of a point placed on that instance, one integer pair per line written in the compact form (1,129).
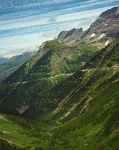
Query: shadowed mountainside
(12,64)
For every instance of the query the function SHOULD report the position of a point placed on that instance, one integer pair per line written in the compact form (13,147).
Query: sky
(25,24)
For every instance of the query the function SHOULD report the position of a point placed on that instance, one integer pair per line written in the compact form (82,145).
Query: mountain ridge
(100,33)
(12,64)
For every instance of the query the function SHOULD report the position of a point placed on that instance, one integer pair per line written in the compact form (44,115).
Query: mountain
(80,87)
(104,29)
(53,63)
(10,65)
(64,97)
(81,111)
(70,36)
(101,32)
(2,60)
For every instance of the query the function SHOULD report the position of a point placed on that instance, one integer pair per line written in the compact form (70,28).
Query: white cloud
(52,19)
(20,43)
(20,23)
(31,3)
(11,53)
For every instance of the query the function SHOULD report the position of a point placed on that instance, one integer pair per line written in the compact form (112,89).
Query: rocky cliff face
(104,29)
(107,23)
(100,33)
(70,36)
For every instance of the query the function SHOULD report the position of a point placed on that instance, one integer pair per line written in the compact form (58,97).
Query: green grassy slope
(39,74)
(79,113)
(93,124)
(16,130)
(77,89)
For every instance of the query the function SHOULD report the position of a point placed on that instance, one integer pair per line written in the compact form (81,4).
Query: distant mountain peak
(110,13)
(65,34)
(2,60)
(101,30)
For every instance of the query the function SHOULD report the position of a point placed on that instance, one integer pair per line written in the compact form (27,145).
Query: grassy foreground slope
(19,134)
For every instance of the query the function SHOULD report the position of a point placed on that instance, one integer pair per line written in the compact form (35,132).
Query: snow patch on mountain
(106,24)
(102,35)
(92,35)
(106,43)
